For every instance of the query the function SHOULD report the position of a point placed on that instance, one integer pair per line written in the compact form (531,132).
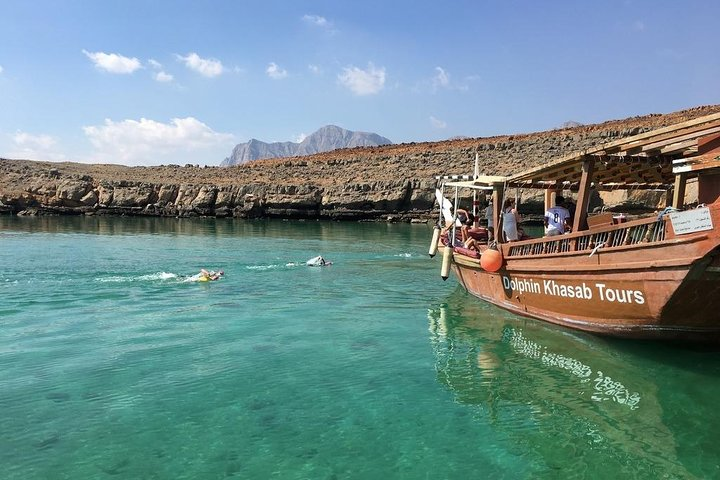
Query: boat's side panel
(697,299)
(609,297)
(642,301)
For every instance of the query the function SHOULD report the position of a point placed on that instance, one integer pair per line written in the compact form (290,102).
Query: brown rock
(360,183)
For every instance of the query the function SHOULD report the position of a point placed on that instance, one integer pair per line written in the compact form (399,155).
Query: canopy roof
(649,160)
(483,182)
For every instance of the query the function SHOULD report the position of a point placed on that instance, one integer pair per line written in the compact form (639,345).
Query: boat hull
(670,291)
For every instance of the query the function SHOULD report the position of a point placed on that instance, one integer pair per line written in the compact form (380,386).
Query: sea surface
(115,365)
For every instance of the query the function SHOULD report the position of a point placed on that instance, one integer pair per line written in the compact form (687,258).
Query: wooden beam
(679,147)
(691,134)
(679,190)
(630,142)
(700,162)
(709,144)
(583,199)
(541,172)
(670,142)
(549,198)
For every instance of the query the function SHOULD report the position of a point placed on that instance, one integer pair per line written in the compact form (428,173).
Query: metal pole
(455,208)
(476,202)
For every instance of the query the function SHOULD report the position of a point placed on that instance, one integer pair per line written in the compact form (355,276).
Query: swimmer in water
(206,276)
(318,261)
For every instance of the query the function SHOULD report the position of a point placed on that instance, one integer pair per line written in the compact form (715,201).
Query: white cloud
(155,64)
(113,63)
(314,69)
(163,77)
(275,72)
(363,82)
(299,138)
(209,67)
(25,139)
(1,69)
(437,123)
(316,20)
(28,146)
(441,79)
(148,142)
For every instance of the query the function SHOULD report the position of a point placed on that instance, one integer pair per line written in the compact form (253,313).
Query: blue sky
(158,81)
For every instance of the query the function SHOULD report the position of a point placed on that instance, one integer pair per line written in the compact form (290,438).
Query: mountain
(329,137)
(571,124)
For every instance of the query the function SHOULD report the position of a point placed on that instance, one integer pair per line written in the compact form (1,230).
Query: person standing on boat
(510,220)
(556,218)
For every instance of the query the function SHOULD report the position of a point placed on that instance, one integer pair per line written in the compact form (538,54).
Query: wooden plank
(709,144)
(679,190)
(694,136)
(693,164)
(549,198)
(686,145)
(632,186)
(653,171)
(629,142)
(583,198)
(691,133)
(619,145)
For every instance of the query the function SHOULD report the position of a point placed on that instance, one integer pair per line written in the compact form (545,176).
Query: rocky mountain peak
(325,139)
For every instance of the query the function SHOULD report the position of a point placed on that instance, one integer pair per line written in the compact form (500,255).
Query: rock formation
(393,182)
(325,139)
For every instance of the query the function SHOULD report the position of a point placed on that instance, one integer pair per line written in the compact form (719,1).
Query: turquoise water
(113,365)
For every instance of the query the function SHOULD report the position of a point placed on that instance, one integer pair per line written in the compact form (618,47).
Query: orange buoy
(491,260)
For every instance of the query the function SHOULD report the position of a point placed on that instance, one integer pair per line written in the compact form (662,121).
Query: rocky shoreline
(388,183)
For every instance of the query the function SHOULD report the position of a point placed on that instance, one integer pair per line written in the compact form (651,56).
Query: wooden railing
(646,230)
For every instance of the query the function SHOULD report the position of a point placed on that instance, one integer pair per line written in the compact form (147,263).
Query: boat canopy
(482,182)
(646,161)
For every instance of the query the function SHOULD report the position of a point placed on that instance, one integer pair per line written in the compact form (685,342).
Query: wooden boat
(654,276)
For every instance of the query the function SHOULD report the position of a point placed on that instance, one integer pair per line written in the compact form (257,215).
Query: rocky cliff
(329,137)
(371,183)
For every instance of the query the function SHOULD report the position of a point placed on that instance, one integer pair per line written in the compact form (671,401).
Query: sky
(150,82)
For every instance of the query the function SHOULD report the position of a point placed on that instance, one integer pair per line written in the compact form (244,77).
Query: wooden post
(669,194)
(549,198)
(583,199)
(679,190)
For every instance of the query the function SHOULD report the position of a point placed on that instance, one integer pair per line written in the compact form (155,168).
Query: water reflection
(605,387)
(212,227)
(553,390)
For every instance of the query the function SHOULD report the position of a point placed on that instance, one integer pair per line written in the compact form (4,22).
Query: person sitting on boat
(211,275)
(466,226)
(466,220)
(510,220)
(472,244)
(556,218)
